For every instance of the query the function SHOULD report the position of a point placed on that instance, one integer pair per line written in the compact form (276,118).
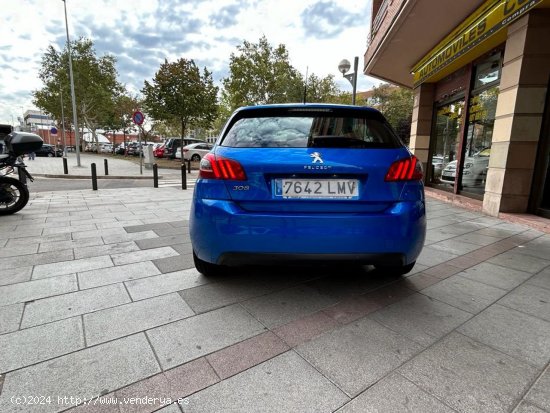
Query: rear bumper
(223,233)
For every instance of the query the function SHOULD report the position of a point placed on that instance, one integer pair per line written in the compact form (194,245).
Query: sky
(142,33)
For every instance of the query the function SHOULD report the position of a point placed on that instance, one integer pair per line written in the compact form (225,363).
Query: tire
(50,155)
(196,158)
(395,270)
(207,269)
(13,195)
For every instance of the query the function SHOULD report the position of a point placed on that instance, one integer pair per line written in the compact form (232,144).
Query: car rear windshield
(317,129)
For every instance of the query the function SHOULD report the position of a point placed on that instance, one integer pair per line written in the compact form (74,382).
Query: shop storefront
(481,120)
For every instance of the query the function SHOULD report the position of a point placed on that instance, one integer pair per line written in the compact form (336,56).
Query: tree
(325,90)
(261,74)
(179,92)
(95,81)
(396,104)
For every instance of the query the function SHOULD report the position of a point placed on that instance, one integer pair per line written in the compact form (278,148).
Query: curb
(98,177)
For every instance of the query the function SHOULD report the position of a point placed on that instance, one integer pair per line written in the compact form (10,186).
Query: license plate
(317,188)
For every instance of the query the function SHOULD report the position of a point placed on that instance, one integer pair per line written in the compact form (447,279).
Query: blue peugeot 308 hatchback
(314,182)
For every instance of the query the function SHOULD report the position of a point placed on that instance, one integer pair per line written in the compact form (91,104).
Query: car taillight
(409,169)
(217,167)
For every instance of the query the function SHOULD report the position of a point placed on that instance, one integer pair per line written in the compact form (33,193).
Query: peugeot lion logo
(316,157)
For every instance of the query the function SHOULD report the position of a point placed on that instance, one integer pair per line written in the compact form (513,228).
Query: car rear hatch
(320,170)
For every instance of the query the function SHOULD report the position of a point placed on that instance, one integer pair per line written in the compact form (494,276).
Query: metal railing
(377,22)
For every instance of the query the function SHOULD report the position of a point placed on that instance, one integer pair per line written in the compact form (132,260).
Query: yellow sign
(483,23)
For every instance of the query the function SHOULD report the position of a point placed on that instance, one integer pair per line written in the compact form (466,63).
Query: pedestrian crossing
(164,183)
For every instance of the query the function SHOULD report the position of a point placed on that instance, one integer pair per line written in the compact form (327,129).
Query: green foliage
(396,104)
(179,92)
(261,74)
(96,86)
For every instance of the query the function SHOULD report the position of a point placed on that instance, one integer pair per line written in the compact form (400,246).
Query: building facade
(481,72)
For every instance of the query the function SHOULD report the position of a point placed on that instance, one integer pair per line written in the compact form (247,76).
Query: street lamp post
(344,67)
(63,124)
(75,120)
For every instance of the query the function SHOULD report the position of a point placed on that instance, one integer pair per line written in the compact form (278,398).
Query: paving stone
(70,229)
(25,347)
(84,374)
(542,279)
(146,227)
(184,248)
(175,263)
(469,376)
(431,256)
(232,288)
(495,275)
(124,237)
(454,246)
(113,275)
(164,284)
(525,407)
(22,233)
(145,244)
(164,232)
(10,317)
(15,275)
(145,255)
(395,394)
(421,318)
(19,250)
(100,233)
(111,323)
(284,306)
(468,295)
(13,242)
(70,244)
(539,394)
(95,251)
(285,383)
(70,305)
(352,309)
(172,408)
(359,354)
(512,332)
(305,328)
(529,299)
(68,267)
(172,384)
(248,353)
(477,239)
(418,282)
(185,340)
(520,262)
(36,259)
(34,290)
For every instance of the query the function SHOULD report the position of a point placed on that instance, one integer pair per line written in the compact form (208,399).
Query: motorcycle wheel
(13,195)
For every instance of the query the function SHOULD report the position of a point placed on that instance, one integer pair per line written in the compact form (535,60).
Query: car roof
(309,106)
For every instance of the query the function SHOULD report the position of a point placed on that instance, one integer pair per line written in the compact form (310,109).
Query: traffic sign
(53,130)
(138,117)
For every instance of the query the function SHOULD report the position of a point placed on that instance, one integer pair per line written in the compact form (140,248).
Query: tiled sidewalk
(99,299)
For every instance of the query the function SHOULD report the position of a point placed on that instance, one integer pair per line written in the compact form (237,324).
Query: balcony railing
(377,22)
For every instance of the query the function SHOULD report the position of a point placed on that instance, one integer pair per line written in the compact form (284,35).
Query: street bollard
(155,176)
(183,177)
(94,178)
(189,165)
(106,167)
(65,167)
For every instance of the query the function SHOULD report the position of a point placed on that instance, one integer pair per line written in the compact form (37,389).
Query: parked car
(308,182)
(158,152)
(49,151)
(106,148)
(474,172)
(172,144)
(195,151)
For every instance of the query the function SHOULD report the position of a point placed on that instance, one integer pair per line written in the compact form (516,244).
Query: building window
(445,143)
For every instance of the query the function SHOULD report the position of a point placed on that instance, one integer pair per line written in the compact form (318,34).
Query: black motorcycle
(14,193)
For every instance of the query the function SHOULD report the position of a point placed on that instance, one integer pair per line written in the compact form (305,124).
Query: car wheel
(206,268)
(196,158)
(50,155)
(395,270)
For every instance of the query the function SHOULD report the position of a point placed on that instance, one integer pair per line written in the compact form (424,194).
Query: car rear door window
(307,129)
